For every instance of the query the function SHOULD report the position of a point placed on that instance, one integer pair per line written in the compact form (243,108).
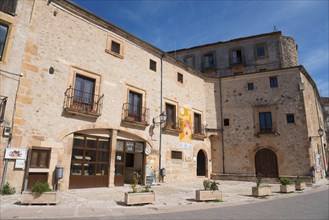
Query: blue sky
(174,24)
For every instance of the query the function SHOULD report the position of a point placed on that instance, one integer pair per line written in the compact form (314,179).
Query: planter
(287,188)
(206,195)
(139,198)
(300,186)
(40,198)
(262,191)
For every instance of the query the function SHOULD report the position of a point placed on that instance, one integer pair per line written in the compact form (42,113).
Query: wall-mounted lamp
(162,117)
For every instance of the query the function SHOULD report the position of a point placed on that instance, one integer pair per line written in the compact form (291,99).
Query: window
(260,50)
(208,61)
(3,38)
(236,57)
(3,103)
(90,155)
(180,77)
(176,154)
(189,61)
(197,124)
(135,105)
(265,122)
(153,65)
(40,158)
(171,116)
(290,118)
(226,122)
(273,82)
(250,86)
(8,6)
(114,47)
(84,93)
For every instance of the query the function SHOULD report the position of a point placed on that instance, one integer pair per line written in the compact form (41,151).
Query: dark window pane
(265,121)
(3,38)
(260,51)
(176,155)
(129,160)
(208,61)
(153,65)
(250,86)
(115,47)
(101,169)
(226,122)
(273,82)
(103,144)
(290,118)
(91,142)
(34,159)
(197,123)
(103,156)
(118,170)
(8,6)
(40,158)
(90,169)
(180,77)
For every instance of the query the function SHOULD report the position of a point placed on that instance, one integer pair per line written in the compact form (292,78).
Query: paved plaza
(170,197)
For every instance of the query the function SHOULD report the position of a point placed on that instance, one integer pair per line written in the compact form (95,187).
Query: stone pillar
(113,144)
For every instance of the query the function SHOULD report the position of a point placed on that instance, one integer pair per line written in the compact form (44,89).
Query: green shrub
(210,185)
(40,187)
(285,181)
(7,189)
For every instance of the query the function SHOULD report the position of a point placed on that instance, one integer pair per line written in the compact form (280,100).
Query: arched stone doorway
(266,164)
(201,164)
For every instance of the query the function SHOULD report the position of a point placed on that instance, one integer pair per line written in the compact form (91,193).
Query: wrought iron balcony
(77,101)
(199,132)
(135,114)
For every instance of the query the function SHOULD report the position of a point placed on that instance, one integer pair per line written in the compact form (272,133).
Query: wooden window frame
(38,151)
(266,128)
(197,125)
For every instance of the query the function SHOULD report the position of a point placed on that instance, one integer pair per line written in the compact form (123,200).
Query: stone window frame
(264,45)
(11,23)
(171,102)
(274,117)
(231,56)
(134,89)
(110,50)
(213,54)
(74,71)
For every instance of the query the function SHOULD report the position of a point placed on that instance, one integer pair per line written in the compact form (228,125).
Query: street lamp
(162,117)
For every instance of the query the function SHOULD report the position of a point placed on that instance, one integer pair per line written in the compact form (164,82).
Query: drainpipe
(5,167)
(160,138)
(222,121)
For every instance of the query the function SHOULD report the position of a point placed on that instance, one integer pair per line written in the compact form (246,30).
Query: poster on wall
(185,137)
(16,153)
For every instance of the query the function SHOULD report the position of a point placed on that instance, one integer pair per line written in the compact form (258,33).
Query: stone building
(81,94)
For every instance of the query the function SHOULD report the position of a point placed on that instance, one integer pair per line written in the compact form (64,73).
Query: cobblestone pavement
(170,197)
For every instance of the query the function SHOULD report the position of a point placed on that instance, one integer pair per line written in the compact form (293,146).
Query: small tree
(40,187)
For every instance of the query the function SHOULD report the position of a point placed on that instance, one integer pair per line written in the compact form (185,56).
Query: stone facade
(61,47)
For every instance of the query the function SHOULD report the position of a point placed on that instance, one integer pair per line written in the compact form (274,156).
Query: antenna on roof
(175,49)
(275,29)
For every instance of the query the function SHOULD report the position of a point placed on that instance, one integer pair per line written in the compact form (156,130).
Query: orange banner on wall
(185,137)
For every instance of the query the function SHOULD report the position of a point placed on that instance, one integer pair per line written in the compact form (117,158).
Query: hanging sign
(16,153)
(185,137)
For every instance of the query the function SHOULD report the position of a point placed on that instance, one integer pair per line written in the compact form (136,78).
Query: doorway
(129,158)
(201,164)
(266,164)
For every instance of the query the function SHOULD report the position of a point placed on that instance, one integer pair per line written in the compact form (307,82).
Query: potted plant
(299,184)
(40,194)
(210,191)
(286,186)
(139,195)
(261,190)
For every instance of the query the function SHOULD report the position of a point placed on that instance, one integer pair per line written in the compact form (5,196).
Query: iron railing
(199,130)
(83,102)
(172,125)
(135,113)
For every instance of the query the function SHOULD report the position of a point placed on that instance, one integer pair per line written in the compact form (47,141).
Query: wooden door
(266,164)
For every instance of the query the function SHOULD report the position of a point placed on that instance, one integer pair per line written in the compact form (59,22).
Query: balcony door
(84,92)
(135,106)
